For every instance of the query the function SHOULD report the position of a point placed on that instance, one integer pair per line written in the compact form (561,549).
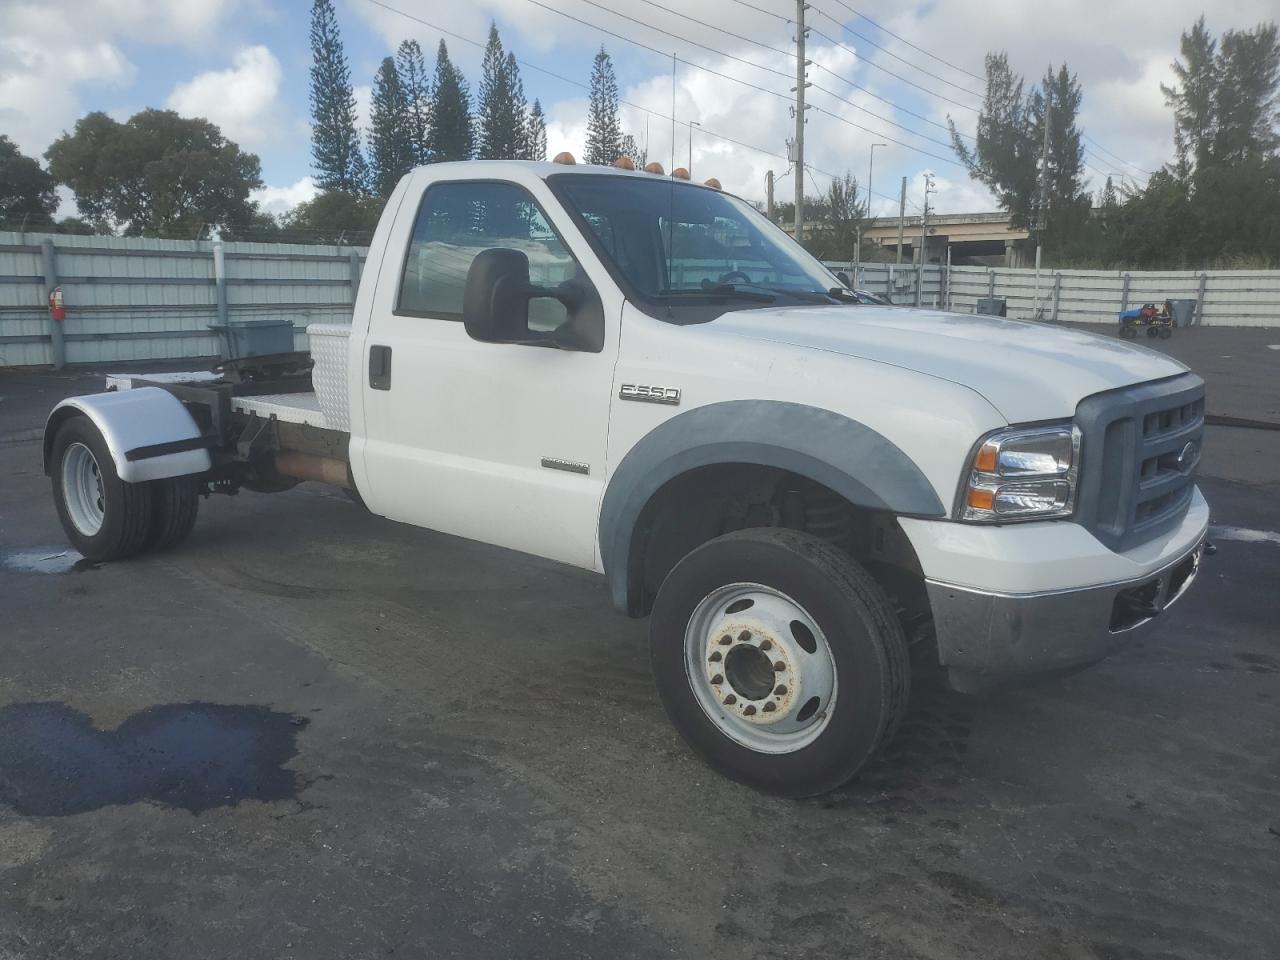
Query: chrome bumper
(986,637)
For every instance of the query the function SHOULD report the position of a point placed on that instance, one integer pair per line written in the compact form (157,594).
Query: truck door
(499,442)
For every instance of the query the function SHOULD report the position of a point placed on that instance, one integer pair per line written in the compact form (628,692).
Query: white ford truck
(809,498)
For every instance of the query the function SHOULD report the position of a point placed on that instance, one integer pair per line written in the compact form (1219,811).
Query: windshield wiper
(720,291)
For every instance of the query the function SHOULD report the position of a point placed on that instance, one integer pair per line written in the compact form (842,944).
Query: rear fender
(148,431)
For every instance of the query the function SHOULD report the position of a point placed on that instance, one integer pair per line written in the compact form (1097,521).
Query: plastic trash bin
(254,338)
(1184,313)
(992,307)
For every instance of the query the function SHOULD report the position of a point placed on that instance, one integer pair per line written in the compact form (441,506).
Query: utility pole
(924,236)
(768,192)
(800,108)
(1042,200)
(902,217)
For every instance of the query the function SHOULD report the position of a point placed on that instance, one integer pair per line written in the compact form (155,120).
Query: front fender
(134,424)
(842,454)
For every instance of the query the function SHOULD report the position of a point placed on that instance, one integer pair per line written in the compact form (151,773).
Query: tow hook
(1210,548)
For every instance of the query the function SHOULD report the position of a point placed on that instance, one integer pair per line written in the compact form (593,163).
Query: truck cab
(810,497)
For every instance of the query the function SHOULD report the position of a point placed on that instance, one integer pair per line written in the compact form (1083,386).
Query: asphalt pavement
(312,733)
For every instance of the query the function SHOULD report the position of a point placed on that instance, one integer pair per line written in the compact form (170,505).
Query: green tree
(27,192)
(1194,101)
(415,85)
(604,133)
(1066,216)
(1226,103)
(627,147)
(835,220)
(331,217)
(503,124)
(536,138)
(1004,153)
(335,141)
(450,135)
(157,174)
(391,153)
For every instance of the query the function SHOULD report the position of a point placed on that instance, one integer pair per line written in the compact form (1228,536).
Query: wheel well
(706,502)
(56,420)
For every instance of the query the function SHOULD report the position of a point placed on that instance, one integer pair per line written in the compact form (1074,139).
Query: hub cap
(760,667)
(82,489)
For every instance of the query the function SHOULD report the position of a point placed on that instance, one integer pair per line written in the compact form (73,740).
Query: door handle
(380,368)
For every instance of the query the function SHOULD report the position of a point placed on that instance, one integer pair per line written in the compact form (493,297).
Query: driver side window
(457,221)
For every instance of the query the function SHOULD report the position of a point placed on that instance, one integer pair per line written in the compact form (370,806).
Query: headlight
(1023,474)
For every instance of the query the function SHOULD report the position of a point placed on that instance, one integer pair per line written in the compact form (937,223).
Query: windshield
(672,242)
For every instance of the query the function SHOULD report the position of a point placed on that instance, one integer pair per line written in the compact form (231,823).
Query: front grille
(1139,452)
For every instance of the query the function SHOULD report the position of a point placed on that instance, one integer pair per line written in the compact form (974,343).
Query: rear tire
(103,517)
(175,503)
(843,673)
(1128,333)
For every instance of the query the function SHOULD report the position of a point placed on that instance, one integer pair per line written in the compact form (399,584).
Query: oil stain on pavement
(193,756)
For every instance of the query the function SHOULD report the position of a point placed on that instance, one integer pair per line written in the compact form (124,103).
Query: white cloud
(51,51)
(278,200)
(243,100)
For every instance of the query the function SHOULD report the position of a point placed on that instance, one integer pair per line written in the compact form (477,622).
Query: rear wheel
(1128,332)
(779,660)
(103,517)
(175,502)
(1153,332)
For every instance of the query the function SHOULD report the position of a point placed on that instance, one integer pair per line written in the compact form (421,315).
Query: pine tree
(502,118)
(335,142)
(536,139)
(1068,201)
(412,70)
(604,134)
(1193,101)
(391,153)
(450,135)
(1248,95)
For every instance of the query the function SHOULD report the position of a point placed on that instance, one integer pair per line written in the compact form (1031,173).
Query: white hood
(1028,371)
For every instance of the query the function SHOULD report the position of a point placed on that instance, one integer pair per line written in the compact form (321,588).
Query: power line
(887,51)
(896,76)
(576,83)
(788,53)
(725,76)
(1128,163)
(895,36)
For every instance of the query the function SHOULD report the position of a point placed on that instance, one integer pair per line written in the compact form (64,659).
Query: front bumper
(984,637)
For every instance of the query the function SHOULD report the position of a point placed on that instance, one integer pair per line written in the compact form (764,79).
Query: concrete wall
(143,299)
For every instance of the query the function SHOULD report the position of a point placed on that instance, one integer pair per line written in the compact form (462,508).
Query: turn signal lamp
(680,173)
(1023,474)
(565,157)
(654,167)
(624,163)
(713,183)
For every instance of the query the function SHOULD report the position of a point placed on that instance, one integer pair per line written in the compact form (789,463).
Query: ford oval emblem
(1187,456)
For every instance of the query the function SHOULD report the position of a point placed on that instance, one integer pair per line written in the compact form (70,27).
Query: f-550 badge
(647,394)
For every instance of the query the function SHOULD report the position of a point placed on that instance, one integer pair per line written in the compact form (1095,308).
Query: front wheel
(779,660)
(104,517)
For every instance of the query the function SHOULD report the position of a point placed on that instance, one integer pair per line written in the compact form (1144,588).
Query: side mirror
(844,278)
(495,301)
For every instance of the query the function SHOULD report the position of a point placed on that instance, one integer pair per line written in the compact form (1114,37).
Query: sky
(883,72)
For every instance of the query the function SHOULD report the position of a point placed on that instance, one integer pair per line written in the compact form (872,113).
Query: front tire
(814,676)
(103,517)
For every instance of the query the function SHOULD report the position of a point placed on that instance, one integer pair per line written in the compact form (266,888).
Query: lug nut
(779,666)
(730,700)
(770,707)
(715,657)
(744,636)
(717,679)
(780,690)
(766,644)
(726,640)
(750,710)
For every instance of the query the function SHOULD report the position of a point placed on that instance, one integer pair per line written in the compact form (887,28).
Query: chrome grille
(1141,447)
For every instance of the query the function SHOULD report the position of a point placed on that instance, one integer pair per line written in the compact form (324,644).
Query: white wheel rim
(82,489)
(737,636)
